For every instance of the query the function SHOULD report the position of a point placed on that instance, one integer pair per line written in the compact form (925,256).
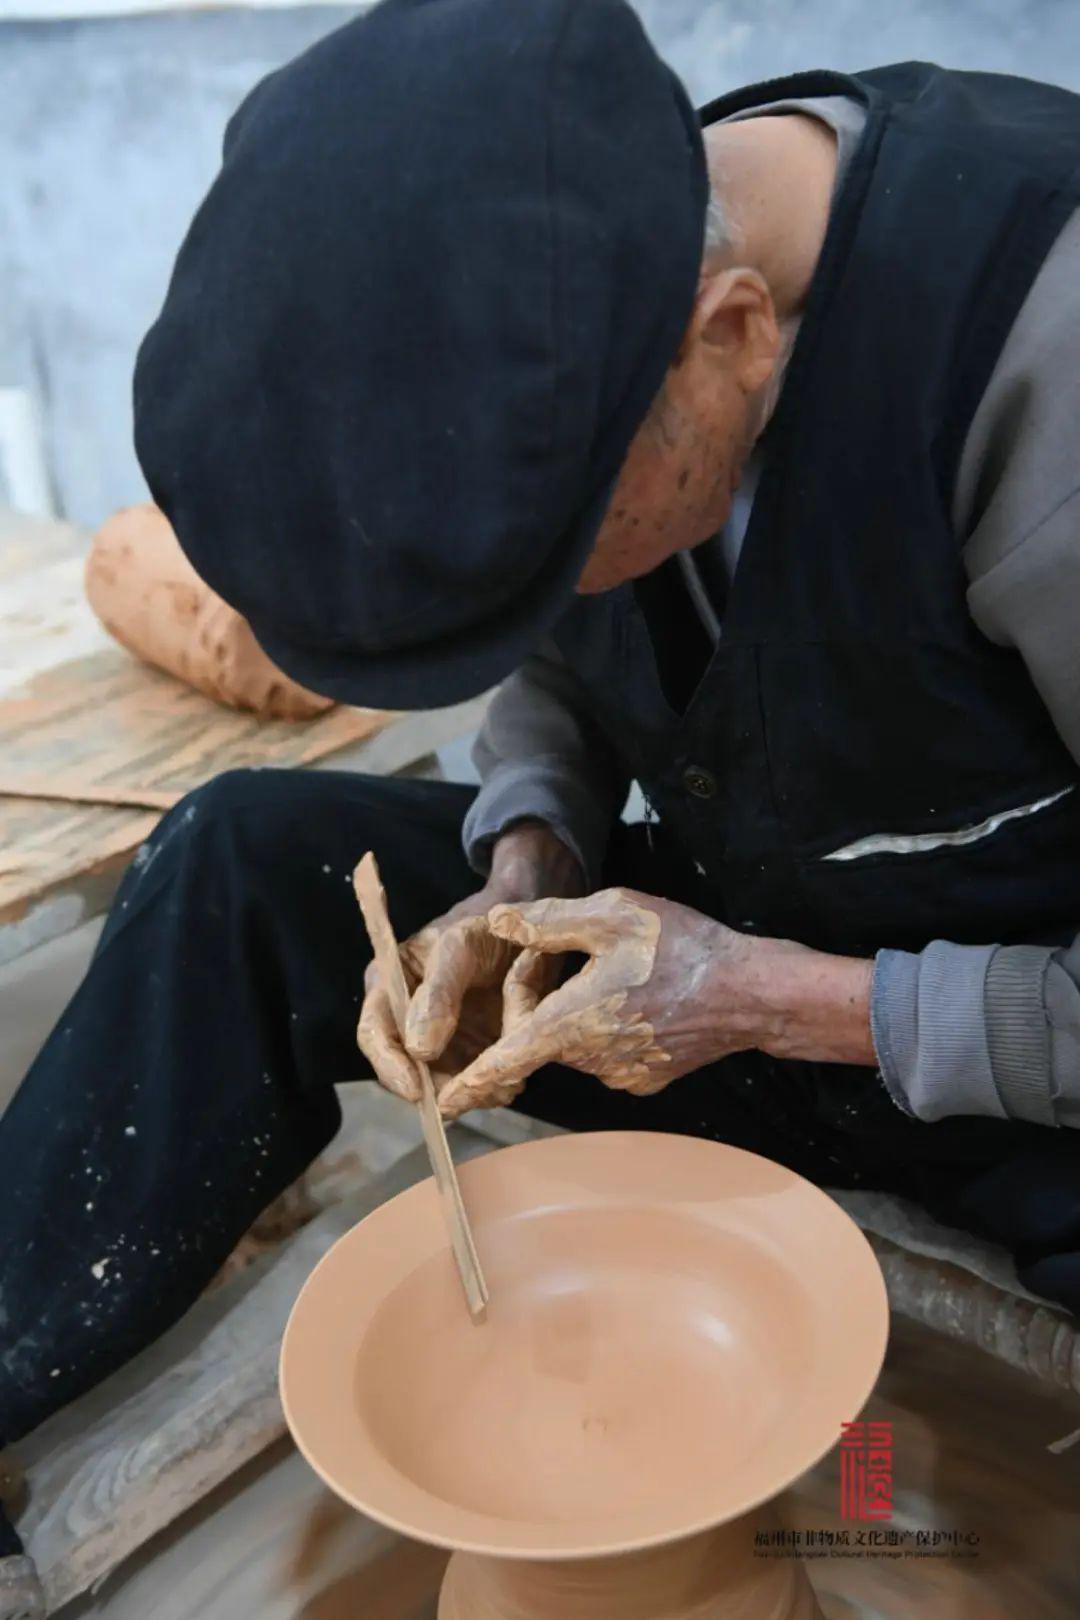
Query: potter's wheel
(677,1330)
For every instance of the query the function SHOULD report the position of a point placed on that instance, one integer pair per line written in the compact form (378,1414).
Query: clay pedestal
(709,1577)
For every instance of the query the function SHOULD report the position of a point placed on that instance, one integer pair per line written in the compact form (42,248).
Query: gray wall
(109,133)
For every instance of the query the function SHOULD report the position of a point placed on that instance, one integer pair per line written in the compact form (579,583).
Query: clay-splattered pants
(190,1079)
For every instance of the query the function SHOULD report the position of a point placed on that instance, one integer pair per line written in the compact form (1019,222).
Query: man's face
(684,464)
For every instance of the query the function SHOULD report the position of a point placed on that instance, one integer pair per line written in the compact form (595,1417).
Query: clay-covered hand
(461,975)
(665,990)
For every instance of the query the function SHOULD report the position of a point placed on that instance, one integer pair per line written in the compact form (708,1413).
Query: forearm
(541,758)
(808,1005)
(954,1029)
(530,862)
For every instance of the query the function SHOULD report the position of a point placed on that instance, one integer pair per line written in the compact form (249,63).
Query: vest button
(698,781)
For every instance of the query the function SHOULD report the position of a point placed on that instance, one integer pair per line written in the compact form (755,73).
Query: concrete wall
(109,133)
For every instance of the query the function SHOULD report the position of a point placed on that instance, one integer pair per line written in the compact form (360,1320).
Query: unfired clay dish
(677,1330)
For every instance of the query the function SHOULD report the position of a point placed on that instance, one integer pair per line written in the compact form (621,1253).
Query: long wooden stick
(71,791)
(372,900)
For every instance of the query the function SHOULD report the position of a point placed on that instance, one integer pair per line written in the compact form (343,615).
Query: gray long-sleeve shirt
(958,1029)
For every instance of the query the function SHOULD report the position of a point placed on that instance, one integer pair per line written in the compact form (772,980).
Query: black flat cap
(430,296)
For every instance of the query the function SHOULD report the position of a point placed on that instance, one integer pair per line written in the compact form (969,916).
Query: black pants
(190,1079)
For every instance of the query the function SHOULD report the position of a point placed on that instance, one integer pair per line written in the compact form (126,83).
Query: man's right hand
(468,986)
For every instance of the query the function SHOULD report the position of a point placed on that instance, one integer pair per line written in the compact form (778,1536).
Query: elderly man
(743,452)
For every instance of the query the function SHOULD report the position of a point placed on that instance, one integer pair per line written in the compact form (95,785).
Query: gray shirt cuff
(1018,1034)
(928,1019)
(543,790)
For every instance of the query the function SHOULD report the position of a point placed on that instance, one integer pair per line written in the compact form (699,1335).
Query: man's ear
(735,321)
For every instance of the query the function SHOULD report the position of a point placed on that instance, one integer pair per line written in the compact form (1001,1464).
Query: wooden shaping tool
(372,899)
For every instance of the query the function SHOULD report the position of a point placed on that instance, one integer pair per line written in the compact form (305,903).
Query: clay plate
(676,1331)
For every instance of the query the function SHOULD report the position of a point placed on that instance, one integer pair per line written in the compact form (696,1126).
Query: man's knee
(253,792)
(296,835)
(206,826)
(227,794)
(272,815)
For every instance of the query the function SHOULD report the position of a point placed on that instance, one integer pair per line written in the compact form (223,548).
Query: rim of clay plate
(862,1311)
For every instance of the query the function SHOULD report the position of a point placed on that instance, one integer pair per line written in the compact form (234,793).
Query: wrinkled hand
(455,969)
(665,991)
(461,975)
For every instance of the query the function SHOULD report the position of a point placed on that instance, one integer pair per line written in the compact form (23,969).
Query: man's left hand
(665,990)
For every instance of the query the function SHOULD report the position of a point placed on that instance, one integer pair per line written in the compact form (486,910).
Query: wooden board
(107,720)
(272,1544)
(45,617)
(76,708)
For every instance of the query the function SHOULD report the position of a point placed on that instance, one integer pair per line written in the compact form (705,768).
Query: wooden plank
(1034,1337)
(273,1543)
(72,704)
(66,790)
(45,619)
(107,720)
(29,543)
(67,860)
(110,721)
(76,708)
(54,907)
(117,1466)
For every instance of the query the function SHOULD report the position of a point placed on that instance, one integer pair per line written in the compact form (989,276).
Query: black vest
(851,694)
